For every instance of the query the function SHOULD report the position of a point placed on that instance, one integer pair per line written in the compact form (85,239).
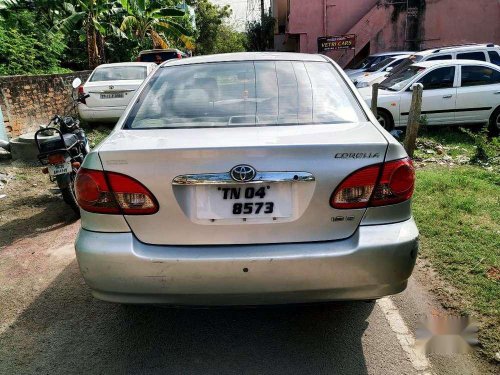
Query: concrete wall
(28,101)
(440,22)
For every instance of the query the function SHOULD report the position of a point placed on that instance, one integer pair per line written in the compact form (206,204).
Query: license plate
(112,96)
(244,201)
(58,169)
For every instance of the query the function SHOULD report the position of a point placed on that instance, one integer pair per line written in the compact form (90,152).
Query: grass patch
(96,134)
(457,212)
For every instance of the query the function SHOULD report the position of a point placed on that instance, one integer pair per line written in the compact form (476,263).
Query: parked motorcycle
(62,147)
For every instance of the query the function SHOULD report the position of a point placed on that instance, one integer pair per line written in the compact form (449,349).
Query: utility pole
(262,12)
(262,30)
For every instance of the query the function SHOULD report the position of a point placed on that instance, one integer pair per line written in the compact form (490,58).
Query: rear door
(438,97)
(114,86)
(478,94)
(244,152)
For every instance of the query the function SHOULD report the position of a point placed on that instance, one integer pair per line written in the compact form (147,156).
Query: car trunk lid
(299,166)
(110,94)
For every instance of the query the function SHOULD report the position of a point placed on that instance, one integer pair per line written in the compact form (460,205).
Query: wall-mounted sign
(333,43)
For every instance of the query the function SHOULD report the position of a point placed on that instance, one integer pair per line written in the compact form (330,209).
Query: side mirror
(389,69)
(76,82)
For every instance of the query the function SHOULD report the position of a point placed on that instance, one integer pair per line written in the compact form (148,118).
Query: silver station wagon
(249,178)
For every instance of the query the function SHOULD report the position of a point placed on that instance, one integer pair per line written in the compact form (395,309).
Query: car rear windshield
(118,73)
(257,93)
(157,56)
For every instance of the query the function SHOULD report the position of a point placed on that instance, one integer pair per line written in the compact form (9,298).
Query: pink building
(384,25)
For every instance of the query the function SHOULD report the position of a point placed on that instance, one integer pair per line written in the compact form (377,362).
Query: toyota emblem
(243,173)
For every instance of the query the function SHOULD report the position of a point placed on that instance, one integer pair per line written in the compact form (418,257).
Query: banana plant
(150,19)
(94,16)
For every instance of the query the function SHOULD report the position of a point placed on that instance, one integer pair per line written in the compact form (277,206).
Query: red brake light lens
(355,191)
(361,189)
(113,193)
(396,183)
(81,94)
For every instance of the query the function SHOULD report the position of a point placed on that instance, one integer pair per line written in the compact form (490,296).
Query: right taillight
(396,183)
(376,185)
(113,193)
(81,94)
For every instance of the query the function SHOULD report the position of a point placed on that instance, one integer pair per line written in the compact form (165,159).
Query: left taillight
(113,193)
(376,185)
(81,95)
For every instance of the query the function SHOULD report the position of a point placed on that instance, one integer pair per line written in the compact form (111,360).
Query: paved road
(49,324)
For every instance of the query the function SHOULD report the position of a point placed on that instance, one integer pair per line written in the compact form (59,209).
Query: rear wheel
(66,184)
(385,119)
(494,125)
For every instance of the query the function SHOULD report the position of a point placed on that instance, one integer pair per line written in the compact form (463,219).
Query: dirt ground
(30,204)
(49,322)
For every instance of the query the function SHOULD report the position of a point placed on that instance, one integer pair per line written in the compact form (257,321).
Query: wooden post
(413,119)
(374,99)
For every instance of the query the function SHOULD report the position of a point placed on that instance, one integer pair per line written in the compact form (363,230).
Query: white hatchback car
(109,89)
(455,92)
(246,178)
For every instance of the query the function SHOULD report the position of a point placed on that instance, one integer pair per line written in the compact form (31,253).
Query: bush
(27,47)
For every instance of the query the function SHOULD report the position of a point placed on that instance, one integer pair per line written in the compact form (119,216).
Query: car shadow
(66,331)
(56,214)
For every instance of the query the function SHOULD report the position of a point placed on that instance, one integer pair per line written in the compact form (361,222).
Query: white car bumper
(104,114)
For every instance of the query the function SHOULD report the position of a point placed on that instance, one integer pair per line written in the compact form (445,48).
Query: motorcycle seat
(55,143)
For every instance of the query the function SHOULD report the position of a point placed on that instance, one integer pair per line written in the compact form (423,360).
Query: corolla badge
(243,173)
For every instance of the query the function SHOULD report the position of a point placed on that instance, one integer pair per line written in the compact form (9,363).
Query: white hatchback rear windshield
(259,93)
(119,73)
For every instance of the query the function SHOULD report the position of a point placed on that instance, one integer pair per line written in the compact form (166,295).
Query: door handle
(447,96)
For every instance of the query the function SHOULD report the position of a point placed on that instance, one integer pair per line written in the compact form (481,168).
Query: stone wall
(29,101)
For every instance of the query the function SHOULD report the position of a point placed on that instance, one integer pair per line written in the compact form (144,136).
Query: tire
(494,124)
(385,120)
(66,185)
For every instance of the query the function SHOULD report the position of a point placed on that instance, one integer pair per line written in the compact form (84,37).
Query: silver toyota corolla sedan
(249,178)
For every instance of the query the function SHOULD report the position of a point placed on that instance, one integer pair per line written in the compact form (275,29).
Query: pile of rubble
(437,153)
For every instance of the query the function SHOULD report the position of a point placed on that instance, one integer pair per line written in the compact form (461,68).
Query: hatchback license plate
(244,201)
(112,96)
(57,169)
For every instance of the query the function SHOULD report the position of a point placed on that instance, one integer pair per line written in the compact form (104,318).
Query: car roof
(457,48)
(131,63)
(393,53)
(430,64)
(247,56)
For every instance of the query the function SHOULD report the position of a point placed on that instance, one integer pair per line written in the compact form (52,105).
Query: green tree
(95,17)
(209,19)
(152,19)
(27,46)
(261,34)
(229,40)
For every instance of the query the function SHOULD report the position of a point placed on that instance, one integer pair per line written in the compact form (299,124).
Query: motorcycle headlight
(360,85)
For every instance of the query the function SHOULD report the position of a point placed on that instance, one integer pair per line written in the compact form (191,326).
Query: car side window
(479,75)
(440,78)
(494,57)
(441,57)
(472,56)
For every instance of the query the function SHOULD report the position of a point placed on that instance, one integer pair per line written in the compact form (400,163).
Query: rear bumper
(106,114)
(376,261)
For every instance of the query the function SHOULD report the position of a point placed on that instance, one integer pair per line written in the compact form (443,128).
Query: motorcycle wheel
(66,185)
